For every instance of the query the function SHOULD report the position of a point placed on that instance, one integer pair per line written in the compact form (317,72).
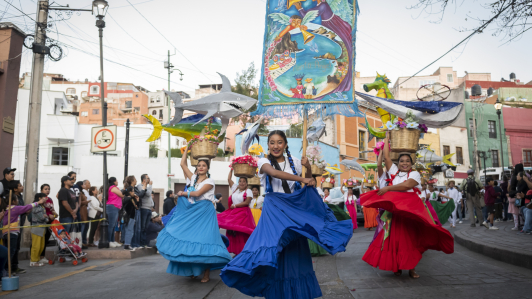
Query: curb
(506,255)
(107,253)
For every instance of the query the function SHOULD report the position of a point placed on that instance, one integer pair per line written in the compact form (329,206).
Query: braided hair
(208,174)
(274,162)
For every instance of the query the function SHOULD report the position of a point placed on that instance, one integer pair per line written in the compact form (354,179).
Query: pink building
(518,125)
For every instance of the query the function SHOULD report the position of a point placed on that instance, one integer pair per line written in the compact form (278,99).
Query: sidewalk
(503,244)
(95,253)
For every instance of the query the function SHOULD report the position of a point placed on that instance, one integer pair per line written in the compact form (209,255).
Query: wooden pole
(305,118)
(9,234)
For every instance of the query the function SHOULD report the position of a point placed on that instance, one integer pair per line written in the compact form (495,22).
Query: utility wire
(126,66)
(169,41)
(478,30)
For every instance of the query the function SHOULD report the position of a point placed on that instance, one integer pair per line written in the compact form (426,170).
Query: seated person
(153,229)
(65,242)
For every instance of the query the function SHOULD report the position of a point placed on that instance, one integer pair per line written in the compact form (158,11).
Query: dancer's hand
(305,162)
(382,191)
(180,193)
(311,182)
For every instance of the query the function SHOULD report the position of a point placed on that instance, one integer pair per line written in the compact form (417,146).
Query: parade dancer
(455,195)
(350,202)
(191,239)
(276,261)
(237,219)
(409,229)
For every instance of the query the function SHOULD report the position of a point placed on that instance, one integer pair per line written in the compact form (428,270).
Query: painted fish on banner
(308,55)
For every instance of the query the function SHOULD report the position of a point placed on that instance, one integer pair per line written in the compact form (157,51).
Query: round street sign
(103,139)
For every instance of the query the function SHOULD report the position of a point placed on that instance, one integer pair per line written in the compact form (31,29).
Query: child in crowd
(65,242)
(38,217)
(14,232)
(490,195)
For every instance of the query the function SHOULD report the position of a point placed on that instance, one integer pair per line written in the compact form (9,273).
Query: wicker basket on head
(316,171)
(254,181)
(369,185)
(405,140)
(204,149)
(193,162)
(395,156)
(327,185)
(244,170)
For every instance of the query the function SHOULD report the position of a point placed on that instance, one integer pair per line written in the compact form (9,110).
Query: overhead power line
(168,41)
(478,30)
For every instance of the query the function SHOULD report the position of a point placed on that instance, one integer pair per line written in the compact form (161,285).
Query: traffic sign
(103,139)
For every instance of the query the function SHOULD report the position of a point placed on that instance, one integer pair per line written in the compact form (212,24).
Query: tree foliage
(246,84)
(511,18)
(154,150)
(295,131)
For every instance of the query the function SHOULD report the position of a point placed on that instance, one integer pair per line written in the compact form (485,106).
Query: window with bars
(59,156)
(95,111)
(459,155)
(450,78)
(527,158)
(495,158)
(446,150)
(471,128)
(491,129)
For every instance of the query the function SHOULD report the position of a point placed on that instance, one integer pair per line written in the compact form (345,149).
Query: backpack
(472,187)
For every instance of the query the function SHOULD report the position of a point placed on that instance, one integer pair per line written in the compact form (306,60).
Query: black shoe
(473,225)
(127,247)
(19,271)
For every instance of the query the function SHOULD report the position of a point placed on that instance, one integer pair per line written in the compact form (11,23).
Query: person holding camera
(146,206)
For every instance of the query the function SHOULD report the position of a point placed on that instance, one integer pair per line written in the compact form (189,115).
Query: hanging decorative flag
(309,55)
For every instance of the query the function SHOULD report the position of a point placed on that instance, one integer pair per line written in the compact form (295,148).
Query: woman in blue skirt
(191,239)
(276,261)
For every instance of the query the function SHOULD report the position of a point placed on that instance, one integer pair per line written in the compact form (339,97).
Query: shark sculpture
(353,164)
(433,114)
(250,133)
(316,130)
(225,105)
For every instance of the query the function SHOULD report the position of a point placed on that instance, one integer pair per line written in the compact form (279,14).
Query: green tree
(246,84)
(153,150)
(295,130)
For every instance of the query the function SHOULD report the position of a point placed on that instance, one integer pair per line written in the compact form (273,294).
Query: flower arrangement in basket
(350,183)
(244,166)
(314,155)
(255,150)
(206,144)
(370,181)
(327,183)
(405,133)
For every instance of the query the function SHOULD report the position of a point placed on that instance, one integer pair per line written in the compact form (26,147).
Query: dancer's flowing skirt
(239,224)
(276,261)
(191,239)
(256,215)
(412,232)
(352,209)
(370,217)
(432,212)
(443,210)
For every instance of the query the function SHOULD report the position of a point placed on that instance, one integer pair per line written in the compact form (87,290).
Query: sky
(210,36)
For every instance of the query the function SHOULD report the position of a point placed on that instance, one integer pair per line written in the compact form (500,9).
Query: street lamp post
(99,8)
(498,107)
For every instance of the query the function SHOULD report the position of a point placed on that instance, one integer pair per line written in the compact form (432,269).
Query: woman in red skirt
(409,229)
(238,219)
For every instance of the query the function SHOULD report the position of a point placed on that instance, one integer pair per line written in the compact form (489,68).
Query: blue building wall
(330,153)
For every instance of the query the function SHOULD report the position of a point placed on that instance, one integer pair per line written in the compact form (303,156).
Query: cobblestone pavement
(459,275)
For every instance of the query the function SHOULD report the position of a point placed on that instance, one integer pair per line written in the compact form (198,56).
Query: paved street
(462,274)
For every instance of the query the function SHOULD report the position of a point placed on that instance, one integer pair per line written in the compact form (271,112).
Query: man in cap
(472,186)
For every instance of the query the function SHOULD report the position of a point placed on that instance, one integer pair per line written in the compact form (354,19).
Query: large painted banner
(308,55)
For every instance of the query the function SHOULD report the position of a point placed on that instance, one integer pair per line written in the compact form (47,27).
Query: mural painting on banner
(308,55)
